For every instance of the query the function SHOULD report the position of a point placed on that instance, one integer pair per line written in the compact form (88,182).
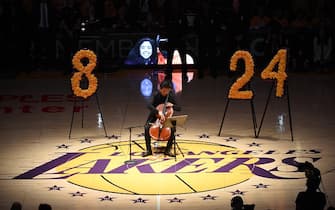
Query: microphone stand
(130,161)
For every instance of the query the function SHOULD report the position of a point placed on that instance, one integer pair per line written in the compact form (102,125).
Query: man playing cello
(161,107)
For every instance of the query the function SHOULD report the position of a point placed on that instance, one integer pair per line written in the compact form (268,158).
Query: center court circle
(205,166)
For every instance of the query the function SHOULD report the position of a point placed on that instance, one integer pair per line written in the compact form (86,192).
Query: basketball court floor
(86,154)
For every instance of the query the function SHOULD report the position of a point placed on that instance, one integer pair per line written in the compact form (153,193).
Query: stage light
(83,26)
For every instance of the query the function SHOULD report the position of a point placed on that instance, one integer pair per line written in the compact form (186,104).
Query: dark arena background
(254,80)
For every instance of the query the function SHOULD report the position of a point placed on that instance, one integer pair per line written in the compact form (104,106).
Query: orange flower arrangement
(234,92)
(84,70)
(280,75)
(92,61)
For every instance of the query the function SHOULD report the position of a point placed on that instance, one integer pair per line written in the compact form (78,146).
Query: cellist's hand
(161,117)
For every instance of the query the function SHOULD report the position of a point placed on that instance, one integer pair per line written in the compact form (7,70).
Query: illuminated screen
(147,51)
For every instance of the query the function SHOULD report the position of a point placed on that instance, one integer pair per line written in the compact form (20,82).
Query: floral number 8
(84,70)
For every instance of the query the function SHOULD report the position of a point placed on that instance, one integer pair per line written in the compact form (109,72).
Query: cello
(157,131)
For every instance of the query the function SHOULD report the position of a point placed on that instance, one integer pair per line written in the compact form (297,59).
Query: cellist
(165,96)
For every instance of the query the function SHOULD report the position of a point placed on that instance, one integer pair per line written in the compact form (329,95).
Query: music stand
(173,122)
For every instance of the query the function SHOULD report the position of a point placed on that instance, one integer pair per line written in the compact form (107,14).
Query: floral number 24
(268,73)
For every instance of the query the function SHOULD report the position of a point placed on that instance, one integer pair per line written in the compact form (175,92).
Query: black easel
(173,122)
(82,113)
(267,104)
(253,115)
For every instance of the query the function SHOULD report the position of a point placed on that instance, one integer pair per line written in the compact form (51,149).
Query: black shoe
(147,153)
(169,154)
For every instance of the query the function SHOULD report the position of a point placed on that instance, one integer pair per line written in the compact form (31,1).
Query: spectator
(44,43)
(44,206)
(206,34)
(238,204)
(157,8)
(259,20)
(300,51)
(68,27)
(175,32)
(311,199)
(87,9)
(322,48)
(16,206)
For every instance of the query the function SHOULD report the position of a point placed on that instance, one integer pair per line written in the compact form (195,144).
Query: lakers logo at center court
(205,166)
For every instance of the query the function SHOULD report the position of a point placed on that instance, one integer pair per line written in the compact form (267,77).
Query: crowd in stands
(30,28)
(18,206)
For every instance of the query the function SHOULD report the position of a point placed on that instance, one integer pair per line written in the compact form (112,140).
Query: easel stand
(253,115)
(82,113)
(173,122)
(267,104)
